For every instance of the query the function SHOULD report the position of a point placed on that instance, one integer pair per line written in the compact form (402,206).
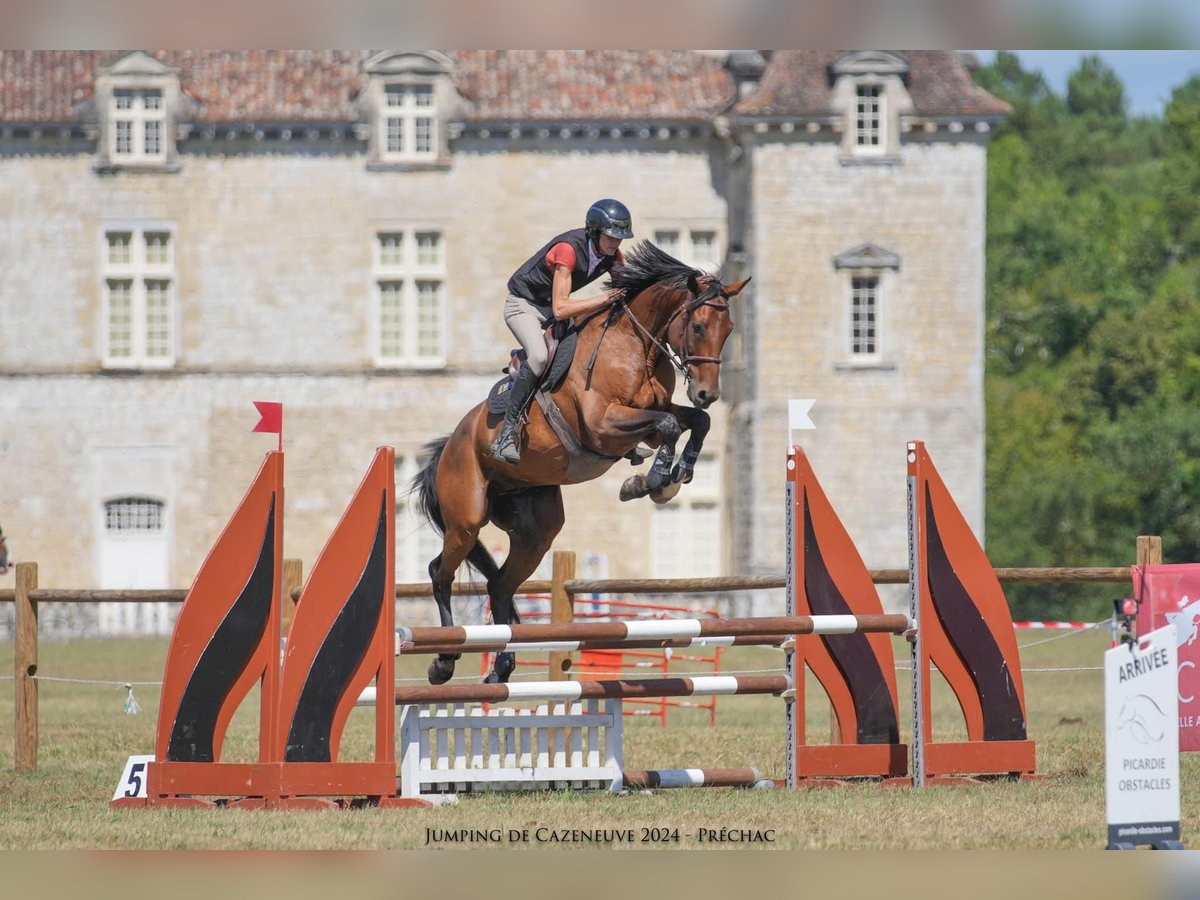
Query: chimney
(747,68)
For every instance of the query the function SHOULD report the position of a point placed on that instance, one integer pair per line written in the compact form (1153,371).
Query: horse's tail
(424,485)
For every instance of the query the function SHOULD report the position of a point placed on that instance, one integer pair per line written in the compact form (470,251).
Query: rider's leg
(526,322)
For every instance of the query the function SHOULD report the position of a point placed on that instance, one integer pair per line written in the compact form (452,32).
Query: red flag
(271,419)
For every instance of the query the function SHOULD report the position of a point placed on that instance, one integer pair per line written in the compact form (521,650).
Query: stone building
(186,232)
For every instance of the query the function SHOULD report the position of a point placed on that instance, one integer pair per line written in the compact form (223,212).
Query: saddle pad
(497,400)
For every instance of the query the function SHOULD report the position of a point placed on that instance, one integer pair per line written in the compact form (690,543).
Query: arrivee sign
(1170,596)
(1141,706)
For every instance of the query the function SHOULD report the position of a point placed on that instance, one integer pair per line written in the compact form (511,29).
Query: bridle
(715,296)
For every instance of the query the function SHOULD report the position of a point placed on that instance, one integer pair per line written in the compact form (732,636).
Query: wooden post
(562,610)
(26,720)
(1149,550)
(293,578)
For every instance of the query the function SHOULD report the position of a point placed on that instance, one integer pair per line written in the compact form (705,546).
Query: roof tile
(797,83)
(498,85)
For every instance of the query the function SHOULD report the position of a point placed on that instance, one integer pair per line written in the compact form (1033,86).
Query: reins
(708,298)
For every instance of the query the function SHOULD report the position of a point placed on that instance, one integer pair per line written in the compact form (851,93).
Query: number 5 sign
(133,779)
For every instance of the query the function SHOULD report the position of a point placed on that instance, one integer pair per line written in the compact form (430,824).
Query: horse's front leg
(623,424)
(697,422)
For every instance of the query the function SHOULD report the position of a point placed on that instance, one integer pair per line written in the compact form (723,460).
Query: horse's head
(688,309)
(698,334)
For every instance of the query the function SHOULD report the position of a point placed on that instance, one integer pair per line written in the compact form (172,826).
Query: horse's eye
(697,329)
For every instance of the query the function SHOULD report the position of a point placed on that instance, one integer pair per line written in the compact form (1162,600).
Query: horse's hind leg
(533,520)
(462,492)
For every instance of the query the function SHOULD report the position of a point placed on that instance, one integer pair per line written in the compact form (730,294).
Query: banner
(1170,595)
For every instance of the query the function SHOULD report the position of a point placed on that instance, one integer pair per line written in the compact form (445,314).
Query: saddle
(561,340)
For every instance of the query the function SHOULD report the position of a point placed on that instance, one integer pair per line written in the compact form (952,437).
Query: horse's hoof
(505,664)
(680,475)
(634,487)
(666,494)
(440,671)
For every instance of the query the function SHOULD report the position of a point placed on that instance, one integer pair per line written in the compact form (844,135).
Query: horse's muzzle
(703,397)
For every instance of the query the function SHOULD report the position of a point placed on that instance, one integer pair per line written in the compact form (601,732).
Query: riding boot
(507,447)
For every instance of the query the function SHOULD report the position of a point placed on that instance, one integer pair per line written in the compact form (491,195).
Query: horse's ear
(693,285)
(736,287)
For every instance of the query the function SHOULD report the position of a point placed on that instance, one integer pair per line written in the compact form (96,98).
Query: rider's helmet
(609,217)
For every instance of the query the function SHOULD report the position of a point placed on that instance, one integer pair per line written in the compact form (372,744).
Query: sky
(1148,75)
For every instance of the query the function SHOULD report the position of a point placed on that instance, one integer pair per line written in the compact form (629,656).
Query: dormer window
(869,119)
(138,104)
(409,122)
(138,122)
(406,104)
(869,87)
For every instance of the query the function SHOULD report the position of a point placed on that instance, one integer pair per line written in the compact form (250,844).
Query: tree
(1180,186)
(1093,330)
(1094,91)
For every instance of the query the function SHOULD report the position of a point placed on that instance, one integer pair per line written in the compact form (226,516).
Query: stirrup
(505,443)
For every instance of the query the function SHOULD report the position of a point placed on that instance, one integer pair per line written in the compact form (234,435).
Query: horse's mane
(645,265)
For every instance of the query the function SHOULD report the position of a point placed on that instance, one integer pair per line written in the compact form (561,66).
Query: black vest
(534,280)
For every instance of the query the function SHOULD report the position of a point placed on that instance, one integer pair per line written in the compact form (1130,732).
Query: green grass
(85,738)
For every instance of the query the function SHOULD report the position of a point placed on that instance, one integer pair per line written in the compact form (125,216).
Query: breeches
(527,321)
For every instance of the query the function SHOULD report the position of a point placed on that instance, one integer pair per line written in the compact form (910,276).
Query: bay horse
(615,395)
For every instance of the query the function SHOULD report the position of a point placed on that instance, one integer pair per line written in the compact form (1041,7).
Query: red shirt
(563,254)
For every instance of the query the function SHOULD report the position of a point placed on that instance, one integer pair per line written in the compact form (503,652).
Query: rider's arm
(565,307)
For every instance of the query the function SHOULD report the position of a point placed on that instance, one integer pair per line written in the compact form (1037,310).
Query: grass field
(86,738)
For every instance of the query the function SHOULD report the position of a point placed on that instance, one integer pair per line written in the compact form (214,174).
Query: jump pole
(474,638)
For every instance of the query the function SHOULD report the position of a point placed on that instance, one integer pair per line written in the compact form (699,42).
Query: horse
(615,395)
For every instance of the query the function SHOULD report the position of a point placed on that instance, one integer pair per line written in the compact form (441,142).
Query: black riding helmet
(610,217)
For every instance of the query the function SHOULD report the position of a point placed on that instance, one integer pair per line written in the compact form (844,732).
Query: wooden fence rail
(27,595)
(575,586)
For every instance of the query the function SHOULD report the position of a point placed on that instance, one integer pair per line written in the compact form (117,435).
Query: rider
(539,293)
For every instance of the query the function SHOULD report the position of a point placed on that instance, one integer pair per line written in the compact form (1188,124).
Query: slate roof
(497,85)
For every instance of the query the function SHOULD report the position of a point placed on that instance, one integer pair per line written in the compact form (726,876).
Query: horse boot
(505,664)
(507,447)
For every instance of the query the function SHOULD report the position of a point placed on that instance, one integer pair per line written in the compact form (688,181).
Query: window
(870,278)
(408,97)
(868,118)
(410,277)
(138,284)
(408,122)
(697,247)
(133,514)
(134,555)
(138,125)
(668,242)
(687,531)
(870,90)
(864,298)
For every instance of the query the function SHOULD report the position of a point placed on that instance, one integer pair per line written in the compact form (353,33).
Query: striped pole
(570,691)
(677,778)
(756,640)
(475,637)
